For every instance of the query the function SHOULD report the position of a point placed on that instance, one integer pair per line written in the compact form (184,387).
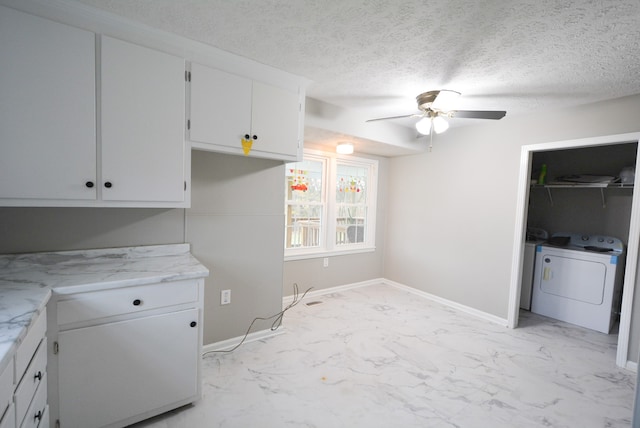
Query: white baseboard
(286,300)
(225,345)
(462,308)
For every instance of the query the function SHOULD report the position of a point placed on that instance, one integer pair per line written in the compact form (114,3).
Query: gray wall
(456,241)
(345,269)
(236,228)
(26,230)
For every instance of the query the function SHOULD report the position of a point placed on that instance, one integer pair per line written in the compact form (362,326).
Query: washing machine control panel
(600,243)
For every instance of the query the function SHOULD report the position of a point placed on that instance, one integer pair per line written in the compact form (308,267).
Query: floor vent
(317,302)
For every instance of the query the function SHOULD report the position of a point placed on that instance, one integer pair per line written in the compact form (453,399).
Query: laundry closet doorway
(537,153)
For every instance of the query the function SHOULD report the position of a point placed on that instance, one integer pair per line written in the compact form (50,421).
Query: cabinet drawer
(6,389)
(36,411)
(107,303)
(9,419)
(28,347)
(33,377)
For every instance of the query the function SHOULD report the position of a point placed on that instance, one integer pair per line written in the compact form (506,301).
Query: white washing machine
(579,282)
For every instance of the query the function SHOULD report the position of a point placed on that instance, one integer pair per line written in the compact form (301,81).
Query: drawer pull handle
(193,324)
(137,302)
(38,376)
(38,416)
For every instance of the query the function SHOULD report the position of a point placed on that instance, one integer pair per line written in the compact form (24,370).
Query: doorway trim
(632,246)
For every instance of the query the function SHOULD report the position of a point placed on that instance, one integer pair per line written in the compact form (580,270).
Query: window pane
(304,181)
(351,184)
(351,224)
(304,204)
(351,199)
(304,223)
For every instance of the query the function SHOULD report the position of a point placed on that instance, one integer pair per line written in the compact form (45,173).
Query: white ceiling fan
(435,106)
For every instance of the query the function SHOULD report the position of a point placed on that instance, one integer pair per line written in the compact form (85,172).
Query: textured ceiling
(377,55)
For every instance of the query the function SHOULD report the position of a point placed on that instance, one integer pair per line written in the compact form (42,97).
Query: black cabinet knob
(38,376)
(108,184)
(193,324)
(89,184)
(38,416)
(137,302)
(255,137)
(246,136)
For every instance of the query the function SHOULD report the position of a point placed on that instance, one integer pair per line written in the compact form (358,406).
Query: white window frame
(328,246)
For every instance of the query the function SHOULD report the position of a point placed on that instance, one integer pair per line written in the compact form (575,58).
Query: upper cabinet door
(225,108)
(142,103)
(220,107)
(274,119)
(47,109)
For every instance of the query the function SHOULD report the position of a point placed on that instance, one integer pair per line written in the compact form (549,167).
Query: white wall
(451,212)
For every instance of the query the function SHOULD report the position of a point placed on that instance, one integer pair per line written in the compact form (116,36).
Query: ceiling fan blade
(394,117)
(478,114)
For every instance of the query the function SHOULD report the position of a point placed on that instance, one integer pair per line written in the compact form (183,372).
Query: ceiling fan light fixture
(445,100)
(424,126)
(344,148)
(440,124)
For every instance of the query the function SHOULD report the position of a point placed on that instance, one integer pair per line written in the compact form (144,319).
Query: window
(330,205)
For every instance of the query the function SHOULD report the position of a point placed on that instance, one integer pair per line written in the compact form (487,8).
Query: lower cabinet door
(116,371)
(9,418)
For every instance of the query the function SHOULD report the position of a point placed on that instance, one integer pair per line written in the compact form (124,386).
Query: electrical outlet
(325,262)
(225,297)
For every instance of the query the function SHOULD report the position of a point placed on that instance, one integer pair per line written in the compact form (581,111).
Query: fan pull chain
(431,136)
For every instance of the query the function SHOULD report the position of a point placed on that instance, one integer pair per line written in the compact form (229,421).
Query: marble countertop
(27,280)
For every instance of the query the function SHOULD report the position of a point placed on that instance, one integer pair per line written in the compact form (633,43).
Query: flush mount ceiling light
(344,148)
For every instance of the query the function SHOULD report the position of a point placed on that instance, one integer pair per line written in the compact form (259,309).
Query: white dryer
(580,282)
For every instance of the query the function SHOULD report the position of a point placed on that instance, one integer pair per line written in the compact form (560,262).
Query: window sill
(321,254)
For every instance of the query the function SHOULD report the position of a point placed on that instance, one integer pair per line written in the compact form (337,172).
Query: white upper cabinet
(51,153)
(226,108)
(47,109)
(220,107)
(93,109)
(275,117)
(142,105)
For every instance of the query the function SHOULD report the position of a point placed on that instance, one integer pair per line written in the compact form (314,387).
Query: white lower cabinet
(7,412)
(134,361)
(23,383)
(9,418)
(31,394)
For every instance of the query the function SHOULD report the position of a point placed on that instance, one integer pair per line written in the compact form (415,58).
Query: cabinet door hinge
(56,348)
(187,76)
(188,123)
(57,423)
(185,186)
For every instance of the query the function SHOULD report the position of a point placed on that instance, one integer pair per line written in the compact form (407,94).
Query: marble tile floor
(379,356)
